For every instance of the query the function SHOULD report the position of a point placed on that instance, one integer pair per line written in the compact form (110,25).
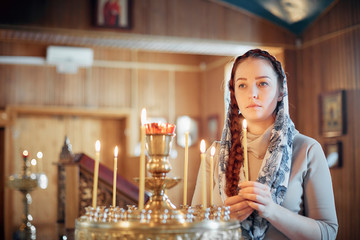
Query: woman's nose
(254,92)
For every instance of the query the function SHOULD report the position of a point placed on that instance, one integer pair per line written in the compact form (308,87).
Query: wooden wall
(201,19)
(330,61)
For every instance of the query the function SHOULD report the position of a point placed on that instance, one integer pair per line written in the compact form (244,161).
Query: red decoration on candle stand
(159,128)
(25,154)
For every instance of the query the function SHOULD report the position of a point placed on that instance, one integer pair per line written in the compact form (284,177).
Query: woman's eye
(263,84)
(242,85)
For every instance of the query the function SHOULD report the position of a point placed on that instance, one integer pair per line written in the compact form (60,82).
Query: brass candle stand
(25,182)
(160,219)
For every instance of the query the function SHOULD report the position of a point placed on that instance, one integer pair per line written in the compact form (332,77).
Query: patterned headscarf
(275,169)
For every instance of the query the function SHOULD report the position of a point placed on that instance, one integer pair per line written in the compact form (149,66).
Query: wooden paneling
(179,18)
(153,93)
(342,15)
(329,62)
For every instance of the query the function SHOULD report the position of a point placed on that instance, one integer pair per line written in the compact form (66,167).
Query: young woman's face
(256,90)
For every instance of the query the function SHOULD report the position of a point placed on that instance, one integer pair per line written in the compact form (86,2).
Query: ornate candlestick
(25,182)
(158,147)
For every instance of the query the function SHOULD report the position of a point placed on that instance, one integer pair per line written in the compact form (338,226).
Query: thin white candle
(96,173)
(186,168)
(116,151)
(34,168)
(39,155)
(212,175)
(203,173)
(246,163)
(142,161)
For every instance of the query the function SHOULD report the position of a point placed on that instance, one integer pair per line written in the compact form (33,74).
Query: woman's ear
(280,96)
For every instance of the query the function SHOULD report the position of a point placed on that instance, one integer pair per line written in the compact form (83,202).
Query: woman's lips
(253,106)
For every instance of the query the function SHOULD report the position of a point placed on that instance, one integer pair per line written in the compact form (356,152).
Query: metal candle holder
(25,182)
(158,147)
(160,219)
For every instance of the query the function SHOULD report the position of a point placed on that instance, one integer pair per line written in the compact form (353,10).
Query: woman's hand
(258,197)
(239,208)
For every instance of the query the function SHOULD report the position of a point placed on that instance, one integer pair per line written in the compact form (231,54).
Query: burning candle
(25,155)
(26,163)
(39,155)
(203,173)
(246,164)
(33,163)
(96,173)
(116,151)
(212,175)
(142,161)
(186,168)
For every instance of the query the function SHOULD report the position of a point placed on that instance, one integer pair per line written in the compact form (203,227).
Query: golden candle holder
(25,182)
(160,219)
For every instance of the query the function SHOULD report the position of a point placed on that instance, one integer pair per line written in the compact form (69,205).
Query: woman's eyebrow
(259,77)
(241,78)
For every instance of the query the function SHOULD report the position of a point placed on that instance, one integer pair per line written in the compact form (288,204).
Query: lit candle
(246,164)
(25,155)
(212,175)
(26,163)
(186,168)
(203,173)
(96,173)
(40,156)
(33,165)
(116,150)
(142,161)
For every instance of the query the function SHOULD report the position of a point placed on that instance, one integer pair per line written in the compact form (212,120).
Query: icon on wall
(332,114)
(333,152)
(113,13)
(186,124)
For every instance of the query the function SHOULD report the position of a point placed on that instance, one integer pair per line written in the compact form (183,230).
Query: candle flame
(212,151)
(39,155)
(244,124)
(25,153)
(33,162)
(97,146)
(202,146)
(116,151)
(143,116)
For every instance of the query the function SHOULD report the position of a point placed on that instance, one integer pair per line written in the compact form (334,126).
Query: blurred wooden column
(71,195)
(68,187)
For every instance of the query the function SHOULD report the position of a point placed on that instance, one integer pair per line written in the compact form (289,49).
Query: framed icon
(332,114)
(187,124)
(113,13)
(213,128)
(333,153)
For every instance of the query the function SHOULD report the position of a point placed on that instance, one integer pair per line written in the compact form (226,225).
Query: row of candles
(186,162)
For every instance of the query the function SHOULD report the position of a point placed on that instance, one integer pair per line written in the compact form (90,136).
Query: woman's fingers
(241,215)
(233,200)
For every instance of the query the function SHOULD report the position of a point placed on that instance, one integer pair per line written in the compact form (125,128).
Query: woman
(289,193)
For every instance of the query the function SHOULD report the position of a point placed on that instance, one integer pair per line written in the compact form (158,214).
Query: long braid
(236,158)
(236,151)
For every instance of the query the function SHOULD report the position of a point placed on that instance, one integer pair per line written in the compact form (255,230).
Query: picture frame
(188,124)
(333,153)
(332,114)
(213,128)
(113,14)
